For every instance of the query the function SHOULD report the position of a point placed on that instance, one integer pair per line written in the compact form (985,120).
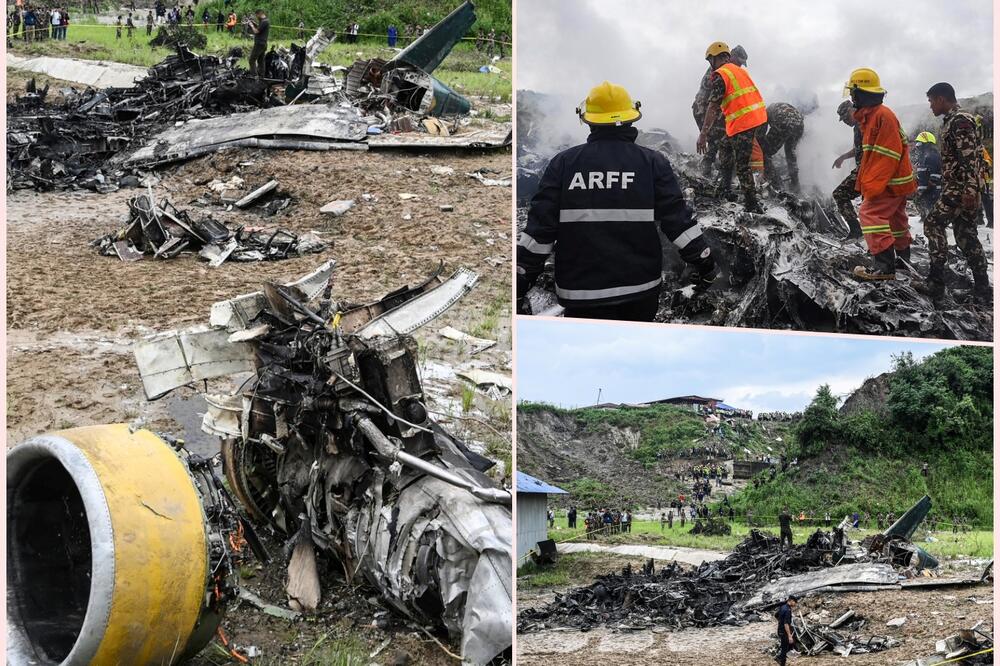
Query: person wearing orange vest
(885,177)
(734,95)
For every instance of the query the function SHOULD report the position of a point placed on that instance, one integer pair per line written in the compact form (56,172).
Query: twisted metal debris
(329,442)
(163,231)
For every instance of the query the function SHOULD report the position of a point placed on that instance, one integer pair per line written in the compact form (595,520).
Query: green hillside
(938,411)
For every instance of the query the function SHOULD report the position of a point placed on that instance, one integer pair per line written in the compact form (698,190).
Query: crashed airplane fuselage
(330,443)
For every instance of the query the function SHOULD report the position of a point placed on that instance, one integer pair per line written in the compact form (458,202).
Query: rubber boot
(885,267)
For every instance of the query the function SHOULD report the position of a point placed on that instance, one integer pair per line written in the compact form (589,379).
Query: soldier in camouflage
(960,202)
(784,129)
(735,151)
(845,193)
(717,133)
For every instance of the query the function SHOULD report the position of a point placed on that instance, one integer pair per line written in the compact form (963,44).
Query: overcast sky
(796,50)
(565,362)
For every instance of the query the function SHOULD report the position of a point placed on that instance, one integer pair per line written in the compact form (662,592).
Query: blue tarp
(725,407)
(529,484)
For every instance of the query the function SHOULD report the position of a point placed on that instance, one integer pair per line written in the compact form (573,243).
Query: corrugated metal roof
(529,484)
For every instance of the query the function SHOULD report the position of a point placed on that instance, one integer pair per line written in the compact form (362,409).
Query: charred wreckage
(757,576)
(191,105)
(326,442)
(789,268)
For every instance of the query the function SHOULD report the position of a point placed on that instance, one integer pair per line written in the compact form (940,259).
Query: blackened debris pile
(330,443)
(707,596)
(841,636)
(55,147)
(162,231)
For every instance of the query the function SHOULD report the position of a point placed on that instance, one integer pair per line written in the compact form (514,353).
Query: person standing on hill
(785,520)
(260,29)
(571,517)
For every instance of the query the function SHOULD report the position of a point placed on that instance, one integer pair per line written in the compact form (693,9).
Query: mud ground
(931,615)
(72,316)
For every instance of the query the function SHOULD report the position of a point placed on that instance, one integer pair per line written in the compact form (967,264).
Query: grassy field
(975,543)
(460,70)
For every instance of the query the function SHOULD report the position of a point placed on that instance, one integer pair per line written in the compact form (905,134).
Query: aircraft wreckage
(326,440)
(191,105)
(736,589)
(789,268)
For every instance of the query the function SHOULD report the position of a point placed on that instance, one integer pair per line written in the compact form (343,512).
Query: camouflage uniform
(735,150)
(961,168)
(717,132)
(784,128)
(845,193)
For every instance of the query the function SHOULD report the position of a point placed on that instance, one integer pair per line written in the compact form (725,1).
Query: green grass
(460,69)
(976,543)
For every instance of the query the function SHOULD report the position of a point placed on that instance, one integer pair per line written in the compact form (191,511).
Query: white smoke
(801,53)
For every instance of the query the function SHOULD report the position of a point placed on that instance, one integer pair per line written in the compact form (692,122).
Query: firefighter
(845,193)
(985,125)
(885,177)
(928,163)
(597,208)
(960,202)
(735,96)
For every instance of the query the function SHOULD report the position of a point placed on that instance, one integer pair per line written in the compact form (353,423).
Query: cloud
(567,363)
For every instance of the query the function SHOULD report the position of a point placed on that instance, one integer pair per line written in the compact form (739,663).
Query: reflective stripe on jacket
(743,106)
(600,208)
(885,163)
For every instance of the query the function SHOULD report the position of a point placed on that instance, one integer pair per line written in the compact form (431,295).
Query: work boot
(885,268)
(982,293)
(724,183)
(933,286)
(751,205)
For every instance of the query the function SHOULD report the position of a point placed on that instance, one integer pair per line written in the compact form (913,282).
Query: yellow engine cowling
(107,551)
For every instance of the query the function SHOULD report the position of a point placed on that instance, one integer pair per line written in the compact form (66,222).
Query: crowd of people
(41,23)
(606,522)
(36,24)
(779,416)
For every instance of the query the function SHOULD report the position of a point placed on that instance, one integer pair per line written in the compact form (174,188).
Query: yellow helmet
(865,79)
(608,104)
(716,48)
(926,137)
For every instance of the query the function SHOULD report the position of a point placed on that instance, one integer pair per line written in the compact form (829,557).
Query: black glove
(523,306)
(705,274)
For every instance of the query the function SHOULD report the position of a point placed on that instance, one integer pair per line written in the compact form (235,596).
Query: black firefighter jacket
(597,207)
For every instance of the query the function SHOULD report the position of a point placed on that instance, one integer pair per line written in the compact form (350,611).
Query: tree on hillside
(819,422)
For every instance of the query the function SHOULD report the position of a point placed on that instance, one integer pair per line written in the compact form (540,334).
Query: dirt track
(72,316)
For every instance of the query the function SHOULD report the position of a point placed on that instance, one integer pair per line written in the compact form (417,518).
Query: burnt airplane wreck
(756,577)
(326,442)
(162,231)
(789,268)
(191,105)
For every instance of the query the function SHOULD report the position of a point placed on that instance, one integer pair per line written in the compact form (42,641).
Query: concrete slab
(94,73)
(692,556)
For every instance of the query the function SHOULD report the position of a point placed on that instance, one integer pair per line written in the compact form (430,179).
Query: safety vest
(885,165)
(743,107)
